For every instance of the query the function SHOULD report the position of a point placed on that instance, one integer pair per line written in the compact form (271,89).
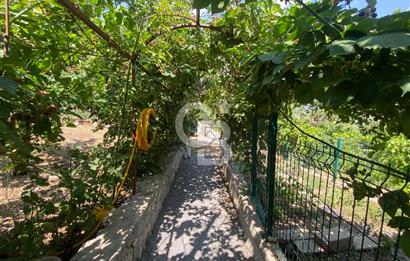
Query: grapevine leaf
(388,40)
(218,6)
(399,222)
(391,201)
(341,47)
(8,134)
(8,85)
(405,242)
(404,86)
(200,4)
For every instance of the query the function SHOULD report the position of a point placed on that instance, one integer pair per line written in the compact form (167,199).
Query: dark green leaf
(331,32)
(339,94)
(307,39)
(394,22)
(367,90)
(406,209)
(392,201)
(9,135)
(399,222)
(405,242)
(341,47)
(5,110)
(359,190)
(218,6)
(49,208)
(8,85)
(388,40)
(354,34)
(40,181)
(200,4)
(26,210)
(275,57)
(404,85)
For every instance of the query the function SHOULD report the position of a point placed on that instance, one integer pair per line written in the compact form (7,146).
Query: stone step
(367,243)
(334,239)
(293,234)
(312,242)
(308,246)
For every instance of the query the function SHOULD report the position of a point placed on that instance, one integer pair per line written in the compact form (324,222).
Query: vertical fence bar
(270,176)
(254,156)
(336,163)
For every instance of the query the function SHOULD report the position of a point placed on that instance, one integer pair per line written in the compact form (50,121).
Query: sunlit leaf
(388,40)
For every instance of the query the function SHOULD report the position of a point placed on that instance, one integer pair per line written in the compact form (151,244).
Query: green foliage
(54,221)
(394,151)
(356,72)
(257,56)
(58,67)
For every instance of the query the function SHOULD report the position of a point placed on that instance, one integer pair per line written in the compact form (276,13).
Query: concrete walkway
(197,220)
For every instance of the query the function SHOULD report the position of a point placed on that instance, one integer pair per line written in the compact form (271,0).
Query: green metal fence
(320,202)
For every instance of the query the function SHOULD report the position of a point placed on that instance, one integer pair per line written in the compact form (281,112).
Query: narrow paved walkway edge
(127,228)
(198,220)
(250,221)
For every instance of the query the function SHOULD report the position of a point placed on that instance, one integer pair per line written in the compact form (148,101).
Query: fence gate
(322,203)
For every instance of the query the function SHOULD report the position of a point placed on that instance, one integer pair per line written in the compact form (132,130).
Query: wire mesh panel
(333,205)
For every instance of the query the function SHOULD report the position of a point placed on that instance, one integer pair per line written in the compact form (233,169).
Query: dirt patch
(83,137)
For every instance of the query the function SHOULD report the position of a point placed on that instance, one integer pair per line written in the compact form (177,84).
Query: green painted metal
(259,210)
(271,169)
(336,163)
(254,155)
(295,191)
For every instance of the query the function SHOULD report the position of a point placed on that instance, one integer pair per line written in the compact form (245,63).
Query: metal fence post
(254,156)
(270,176)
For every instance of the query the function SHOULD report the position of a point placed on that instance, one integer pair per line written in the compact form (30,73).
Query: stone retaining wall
(249,219)
(128,227)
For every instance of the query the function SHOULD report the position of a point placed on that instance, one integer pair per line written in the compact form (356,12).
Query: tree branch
(106,37)
(198,17)
(86,36)
(180,16)
(181,26)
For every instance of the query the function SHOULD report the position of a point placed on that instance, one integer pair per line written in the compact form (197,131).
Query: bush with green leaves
(255,56)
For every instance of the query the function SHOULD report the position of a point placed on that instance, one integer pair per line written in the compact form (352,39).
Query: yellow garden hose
(141,142)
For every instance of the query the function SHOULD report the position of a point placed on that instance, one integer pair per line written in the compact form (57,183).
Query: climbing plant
(57,66)
(353,66)
(160,55)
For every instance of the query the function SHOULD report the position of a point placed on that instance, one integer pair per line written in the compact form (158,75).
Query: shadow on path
(197,220)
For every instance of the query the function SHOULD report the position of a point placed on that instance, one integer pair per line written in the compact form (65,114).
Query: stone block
(367,243)
(334,239)
(308,246)
(128,227)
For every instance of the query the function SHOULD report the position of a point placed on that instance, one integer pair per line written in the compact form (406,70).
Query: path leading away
(197,220)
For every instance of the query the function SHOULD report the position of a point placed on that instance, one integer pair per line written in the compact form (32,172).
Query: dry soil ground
(84,137)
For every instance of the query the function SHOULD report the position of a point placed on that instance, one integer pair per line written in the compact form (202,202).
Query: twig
(106,37)
(181,26)
(86,36)
(320,18)
(24,11)
(180,16)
